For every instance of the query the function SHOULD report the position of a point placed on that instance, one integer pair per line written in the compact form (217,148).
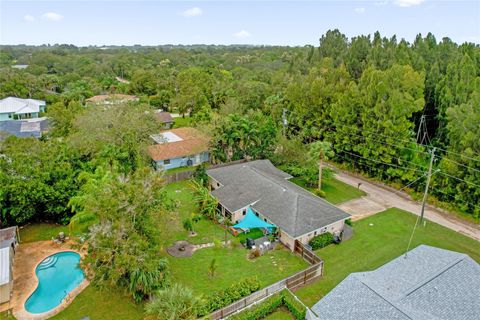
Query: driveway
(380,197)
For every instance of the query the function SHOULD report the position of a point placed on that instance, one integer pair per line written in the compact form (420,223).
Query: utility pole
(429,175)
(284,121)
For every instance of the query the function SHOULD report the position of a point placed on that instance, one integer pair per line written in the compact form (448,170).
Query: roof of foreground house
(24,128)
(20,106)
(428,283)
(267,190)
(176,143)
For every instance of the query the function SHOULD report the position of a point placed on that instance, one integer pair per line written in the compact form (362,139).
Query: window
(244,212)
(265,220)
(315,233)
(256,214)
(167,161)
(218,184)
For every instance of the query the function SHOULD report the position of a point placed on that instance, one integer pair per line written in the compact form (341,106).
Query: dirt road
(381,197)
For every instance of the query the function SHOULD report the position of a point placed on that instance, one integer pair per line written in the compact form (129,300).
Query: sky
(292,23)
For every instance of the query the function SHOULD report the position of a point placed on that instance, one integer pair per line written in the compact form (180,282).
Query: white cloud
(407,3)
(380,3)
(52,16)
(192,12)
(360,10)
(29,18)
(242,34)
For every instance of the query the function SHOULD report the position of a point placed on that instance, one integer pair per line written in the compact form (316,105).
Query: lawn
(97,304)
(170,226)
(253,233)
(182,122)
(46,231)
(377,240)
(280,314)
(233,266)
(335,190)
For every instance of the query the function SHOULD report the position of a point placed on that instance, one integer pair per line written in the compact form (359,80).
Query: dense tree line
(382,103)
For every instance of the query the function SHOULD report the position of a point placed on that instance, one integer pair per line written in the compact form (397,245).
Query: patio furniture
(249,242)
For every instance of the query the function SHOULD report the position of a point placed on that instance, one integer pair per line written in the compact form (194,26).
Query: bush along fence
(265,307)
(293,282)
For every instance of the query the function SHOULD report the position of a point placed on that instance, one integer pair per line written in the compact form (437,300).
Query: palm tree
(319,151)
(175,302)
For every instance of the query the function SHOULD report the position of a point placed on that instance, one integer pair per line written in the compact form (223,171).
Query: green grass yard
(170,225)
(377,240)
(335,190)
(46,231)
(233,266)
(182,122)
(101,304)
(280,314)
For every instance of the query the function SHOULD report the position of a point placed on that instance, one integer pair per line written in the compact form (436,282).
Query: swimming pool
(57,276)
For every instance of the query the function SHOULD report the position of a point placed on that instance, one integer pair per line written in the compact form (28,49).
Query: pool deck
(27,257)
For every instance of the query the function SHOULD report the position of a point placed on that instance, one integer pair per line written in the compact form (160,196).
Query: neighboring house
(24,128)
(111,99)
(165,118)
(13,108)
(9,239)
(427,283)
(179,147)
(258,185)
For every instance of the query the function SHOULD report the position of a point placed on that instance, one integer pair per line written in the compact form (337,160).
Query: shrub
(261,310)
(222,298)
(348,222)
(176,302)
(254,254)
(270,304)
(319,193)
(321,241)
(294,306)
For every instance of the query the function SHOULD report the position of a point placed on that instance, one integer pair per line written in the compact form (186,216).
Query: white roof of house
(4,265)
(18,105)
(166,137)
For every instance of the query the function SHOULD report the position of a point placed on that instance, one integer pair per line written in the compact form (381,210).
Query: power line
(459,154)
(385,163)
(382,142)
(403,147)
(456,200)
(460,164)
(459,179)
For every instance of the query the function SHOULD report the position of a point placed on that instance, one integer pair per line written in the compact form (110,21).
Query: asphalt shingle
(427,283)
(259,184)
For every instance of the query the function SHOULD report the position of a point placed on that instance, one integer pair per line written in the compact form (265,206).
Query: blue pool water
(57,275)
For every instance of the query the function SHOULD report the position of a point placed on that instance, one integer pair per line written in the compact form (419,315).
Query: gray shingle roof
(430,283)
(25,128)
(259,184)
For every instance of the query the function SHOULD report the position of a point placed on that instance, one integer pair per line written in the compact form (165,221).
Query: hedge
(223,298)
(321,241)
(260,310)
(269,305)
(297,309)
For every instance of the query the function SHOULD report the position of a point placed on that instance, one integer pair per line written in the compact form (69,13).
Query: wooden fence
(307,254)
(292,283)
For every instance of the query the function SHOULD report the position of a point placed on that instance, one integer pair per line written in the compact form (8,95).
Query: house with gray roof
(258,185)
(427,283)
(24,128)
